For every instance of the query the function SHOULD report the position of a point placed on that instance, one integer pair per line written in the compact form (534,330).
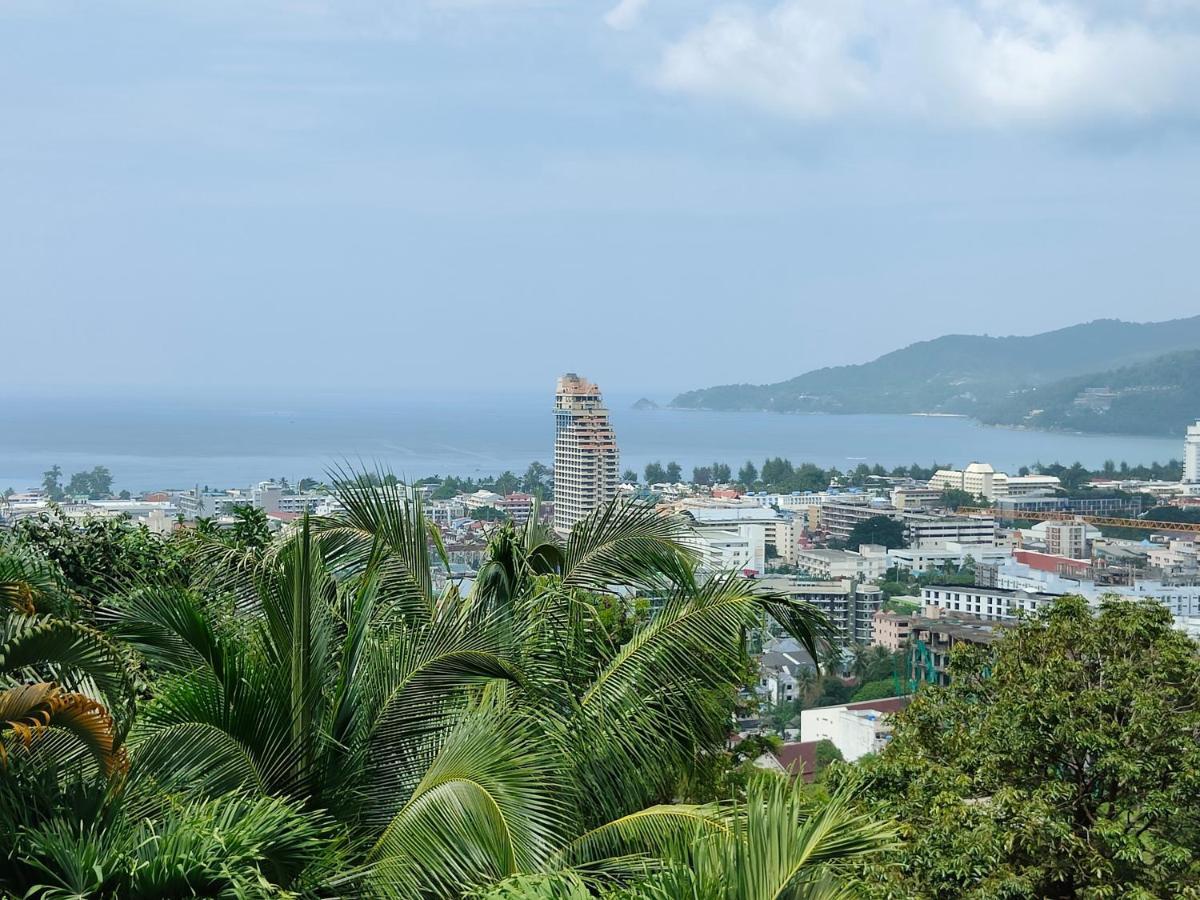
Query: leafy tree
(629,476)
(506,483)
(825,752)
(748,473)
(953,498)
(877,530)
(124,495)
(674,474)
(655,473)
(702,475)
(1060,762)
(307,484)
(537,479)
(489,514)
(874,690)
(102,555)
(52,482)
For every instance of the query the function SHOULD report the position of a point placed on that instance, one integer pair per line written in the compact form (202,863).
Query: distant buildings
(586,473)
(981,480)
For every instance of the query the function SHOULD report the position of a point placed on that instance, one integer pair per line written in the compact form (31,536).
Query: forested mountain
(1160,396)
(989,377)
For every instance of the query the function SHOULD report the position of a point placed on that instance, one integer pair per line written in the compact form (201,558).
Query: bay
(173,441)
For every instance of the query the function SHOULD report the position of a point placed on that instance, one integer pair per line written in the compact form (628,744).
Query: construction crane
(1098,521)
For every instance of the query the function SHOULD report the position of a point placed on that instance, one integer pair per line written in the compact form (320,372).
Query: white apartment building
(950,553)
(727,548)
(993,604)
(870,563)
(1067,538)
(856,729)
(586,460)
(935,531)
(1175,557)
(779,530)
(981,480)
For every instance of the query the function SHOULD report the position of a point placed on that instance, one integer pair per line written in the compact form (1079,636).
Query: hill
(1160,396)
(977,375)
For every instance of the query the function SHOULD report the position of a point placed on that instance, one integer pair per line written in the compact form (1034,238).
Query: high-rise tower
(1191,455)
(585,452)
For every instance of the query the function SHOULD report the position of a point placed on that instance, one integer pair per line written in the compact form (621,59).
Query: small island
(645,403)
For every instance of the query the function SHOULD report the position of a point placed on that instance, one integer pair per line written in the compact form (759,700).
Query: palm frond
(489,806)
(27,714)
(76,656)
(629,544)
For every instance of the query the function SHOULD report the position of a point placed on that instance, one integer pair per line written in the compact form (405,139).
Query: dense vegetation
(967,373)
(1153,397)
(1065,762)
(327,715)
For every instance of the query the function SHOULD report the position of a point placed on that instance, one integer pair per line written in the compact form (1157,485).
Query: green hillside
(1160,396)
(987,377)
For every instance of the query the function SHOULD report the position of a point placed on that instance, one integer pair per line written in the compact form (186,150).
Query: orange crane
(1098,521)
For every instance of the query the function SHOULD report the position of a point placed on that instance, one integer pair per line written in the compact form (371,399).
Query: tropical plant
(417,738)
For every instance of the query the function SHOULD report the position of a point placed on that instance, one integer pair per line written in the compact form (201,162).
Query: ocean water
(177,441)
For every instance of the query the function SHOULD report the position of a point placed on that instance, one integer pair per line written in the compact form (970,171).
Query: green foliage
(1062,762)
(874,690)
(825,753)
(101,555)
(319,714)
(952,498)
(877,530)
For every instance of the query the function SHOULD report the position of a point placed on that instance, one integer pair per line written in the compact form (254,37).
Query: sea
(237,439)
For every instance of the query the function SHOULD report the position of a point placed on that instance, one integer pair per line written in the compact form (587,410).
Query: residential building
(848,606)
(781,670)
(518,507)
(839,517)
(925,530)
(586,460)
(981,480)
(951,553)
(1066,538)
(856,729)
(934,636)
(869,563)
(991,604)
(730,548)
(1176,557)
(890,630)
(915,496)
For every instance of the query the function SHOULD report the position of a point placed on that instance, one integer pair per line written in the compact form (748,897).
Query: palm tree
(452,739)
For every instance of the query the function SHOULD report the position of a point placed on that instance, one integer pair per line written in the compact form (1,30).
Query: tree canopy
(1064,761)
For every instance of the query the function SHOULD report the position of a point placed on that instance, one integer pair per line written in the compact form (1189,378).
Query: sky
(660,194)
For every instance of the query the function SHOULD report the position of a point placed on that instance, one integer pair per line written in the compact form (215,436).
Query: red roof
(799,758)
(884,705)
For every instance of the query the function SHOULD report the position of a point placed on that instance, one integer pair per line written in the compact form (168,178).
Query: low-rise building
(856,729)
(868,563)
(890,630)
(991,604)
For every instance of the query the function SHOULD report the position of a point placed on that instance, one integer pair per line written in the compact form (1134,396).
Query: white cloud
(625,14)
(964,61)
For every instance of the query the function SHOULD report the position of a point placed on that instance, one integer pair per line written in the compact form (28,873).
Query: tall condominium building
(1191,455)
(585,452)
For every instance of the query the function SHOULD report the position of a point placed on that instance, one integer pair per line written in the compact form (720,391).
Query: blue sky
(658,193)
